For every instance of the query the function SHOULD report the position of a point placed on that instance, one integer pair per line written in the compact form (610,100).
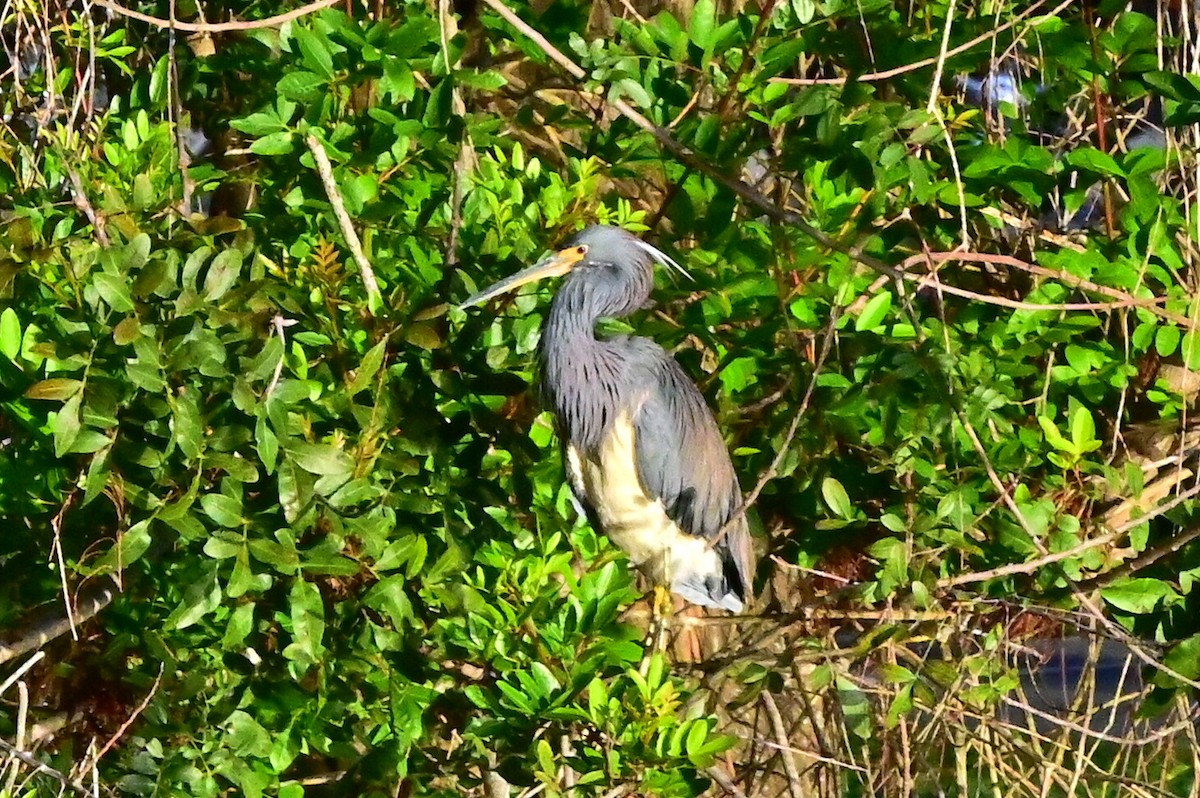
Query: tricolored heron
(643,452)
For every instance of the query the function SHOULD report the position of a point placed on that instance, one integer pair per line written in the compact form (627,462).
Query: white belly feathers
(636,522)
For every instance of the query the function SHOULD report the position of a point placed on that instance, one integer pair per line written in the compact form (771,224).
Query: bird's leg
(661,607)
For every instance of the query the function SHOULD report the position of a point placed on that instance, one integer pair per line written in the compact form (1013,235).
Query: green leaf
(222,546)
(872,315)
(321,459)
(266,443)
(241,623)
(739,373)
(56,389)
(315,51)
(1083,430)
(390,596)
(1138,596)
(280,143)
(1166,341)
(114,291)
(1184,658)
(222,274)
(66,425)
(1053,436)
(10,334)
(545,759)
(300,86)
(185,425)
(1174,85)
(367,369)
(202,596)
(127,331)
(1095,161)
(225,510)
(307,612)
(628,87)
(129,548)
(1191,350)
(259,124)
(423,336)
(836,497)
(702,23)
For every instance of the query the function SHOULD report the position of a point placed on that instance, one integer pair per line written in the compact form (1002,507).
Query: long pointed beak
(556,265)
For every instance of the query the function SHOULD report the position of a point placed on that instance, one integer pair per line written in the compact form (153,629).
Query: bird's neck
(580,373)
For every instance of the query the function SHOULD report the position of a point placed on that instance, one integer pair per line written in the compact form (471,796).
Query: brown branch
(80,198)
(789,436)
(690,159)
(789,764)
(924,62)
(724,781)
(48,629)
(217,27)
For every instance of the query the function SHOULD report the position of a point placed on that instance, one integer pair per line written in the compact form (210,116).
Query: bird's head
(600,255)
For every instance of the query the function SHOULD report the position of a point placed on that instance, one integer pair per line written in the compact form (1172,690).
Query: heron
(644,455)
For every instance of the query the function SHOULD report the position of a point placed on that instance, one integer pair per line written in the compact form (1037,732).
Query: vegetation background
(277,520)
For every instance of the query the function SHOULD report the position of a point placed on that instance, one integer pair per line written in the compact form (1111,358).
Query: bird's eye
(581,250)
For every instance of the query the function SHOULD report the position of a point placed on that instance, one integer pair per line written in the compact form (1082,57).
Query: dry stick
(789,764)
(21,671)
(217,27)
(933,109)
(1156,736)
(815,756)
(1124,299)
(325,170)
(80,198)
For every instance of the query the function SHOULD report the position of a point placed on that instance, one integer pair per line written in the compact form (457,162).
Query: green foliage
(343,541)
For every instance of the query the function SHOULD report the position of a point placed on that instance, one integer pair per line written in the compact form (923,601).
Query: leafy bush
(344,554)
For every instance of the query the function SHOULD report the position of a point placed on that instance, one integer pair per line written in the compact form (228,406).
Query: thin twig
(1124,300)
(80,198)
(138,710)
(1101,540)
(724,782)
(1148,558)
(789,436)
(41,767)
(914,66)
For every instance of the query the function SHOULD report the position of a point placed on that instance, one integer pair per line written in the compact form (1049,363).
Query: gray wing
(682,460)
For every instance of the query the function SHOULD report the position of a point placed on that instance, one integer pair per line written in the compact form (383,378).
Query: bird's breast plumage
(607,480)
